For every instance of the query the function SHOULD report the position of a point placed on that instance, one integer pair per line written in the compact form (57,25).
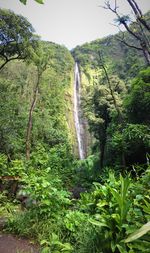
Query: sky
(71,22)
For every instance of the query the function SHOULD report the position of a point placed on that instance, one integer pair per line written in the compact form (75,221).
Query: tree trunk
(123,160)
(30,119)
(120,119)
(103,144)
(142,40)
(102,152)
(138,13)
(147,56)
(112,93)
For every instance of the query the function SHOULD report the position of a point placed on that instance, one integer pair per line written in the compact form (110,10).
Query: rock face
(83,137)
(78,119)
(85,85)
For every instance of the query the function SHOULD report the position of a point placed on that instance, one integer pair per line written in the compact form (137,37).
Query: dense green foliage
(17,91)
(16,37)
(101,221)
(115,104)
(97,205)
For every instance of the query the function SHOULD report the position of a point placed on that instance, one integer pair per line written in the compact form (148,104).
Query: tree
(13,103)
(138,14)
(102,65)
(137,103)
(38,1)
(99,117)
(140,27)
(16,37)
(134,139)
(50,106)
(102,107)
(41,59)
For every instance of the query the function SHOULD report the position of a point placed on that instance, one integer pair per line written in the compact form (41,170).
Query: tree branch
(122,40)
(138,13)
(8,60)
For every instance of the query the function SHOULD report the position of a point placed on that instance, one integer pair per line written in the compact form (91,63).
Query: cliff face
(52,120)
(122,64)
(69,101)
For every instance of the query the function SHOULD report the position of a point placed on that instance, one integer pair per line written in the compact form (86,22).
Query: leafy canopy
(38,1)
(16,37)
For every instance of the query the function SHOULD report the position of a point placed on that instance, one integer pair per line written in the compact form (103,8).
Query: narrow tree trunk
(112,94)
(103,144)
(138,13)
(142,41)
(30,119)
(120,119)
(147,56)
(123,159)
(102,152)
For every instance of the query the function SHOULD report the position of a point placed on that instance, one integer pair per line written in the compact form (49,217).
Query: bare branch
(128,45)
(138,13)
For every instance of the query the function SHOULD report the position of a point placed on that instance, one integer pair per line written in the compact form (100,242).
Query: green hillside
(48,196)
(53,102)
(108,68)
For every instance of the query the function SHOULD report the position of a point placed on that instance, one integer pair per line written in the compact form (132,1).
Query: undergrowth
(111,217)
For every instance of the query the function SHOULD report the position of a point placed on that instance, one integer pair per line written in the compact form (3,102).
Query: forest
(49,194)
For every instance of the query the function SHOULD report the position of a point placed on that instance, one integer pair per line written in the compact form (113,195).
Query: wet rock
(76,191)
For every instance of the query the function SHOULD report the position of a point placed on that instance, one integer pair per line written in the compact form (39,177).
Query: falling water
(78,124)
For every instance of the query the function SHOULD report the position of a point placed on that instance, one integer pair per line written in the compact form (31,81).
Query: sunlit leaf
(66,247)
(140,232)
(121,249)
(97,223)
(102,203)
(39,1)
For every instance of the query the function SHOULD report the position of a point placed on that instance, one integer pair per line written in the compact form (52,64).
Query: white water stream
(78,124)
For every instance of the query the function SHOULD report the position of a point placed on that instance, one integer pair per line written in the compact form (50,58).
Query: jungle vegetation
(97,205)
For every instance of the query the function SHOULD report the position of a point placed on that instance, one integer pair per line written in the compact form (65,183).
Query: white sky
(70,22)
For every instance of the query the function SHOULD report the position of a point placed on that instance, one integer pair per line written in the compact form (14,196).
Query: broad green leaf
(116,217)
(121,248)
(124,187)
(45,184)
(140,232)
(117,197)
(46,202)
(45,250)
(67,247)
(23,1)
(43,242)
(39,1)
(98,223)
(113,245)
(140,246)
(102,203)
(146,208)
(54,237)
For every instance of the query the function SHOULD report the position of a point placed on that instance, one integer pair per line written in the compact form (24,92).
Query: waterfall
(78,124)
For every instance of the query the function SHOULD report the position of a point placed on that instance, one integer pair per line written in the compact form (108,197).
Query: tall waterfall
(78,124)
